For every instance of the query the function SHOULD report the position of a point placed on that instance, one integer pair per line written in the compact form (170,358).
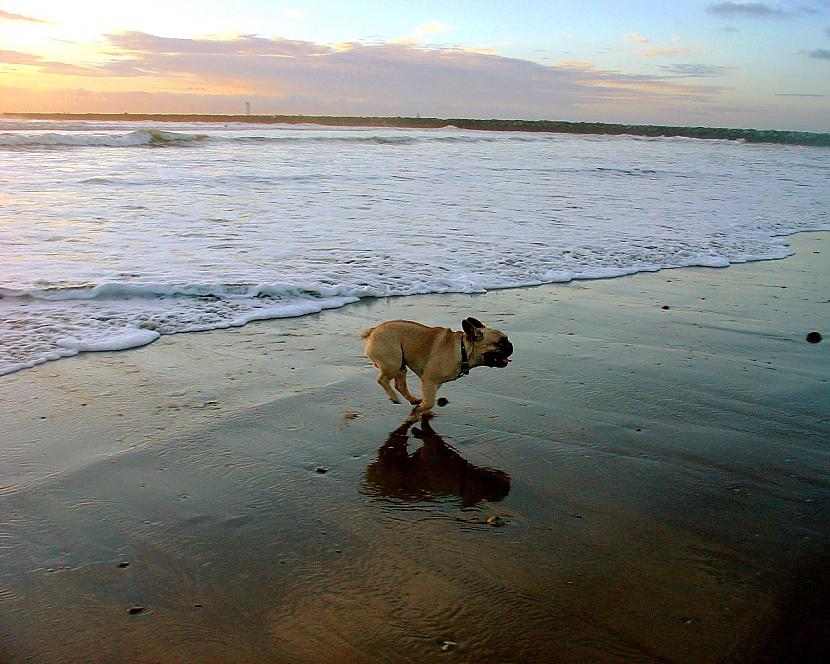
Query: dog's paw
(420,415)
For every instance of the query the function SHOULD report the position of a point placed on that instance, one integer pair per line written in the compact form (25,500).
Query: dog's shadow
(432,472)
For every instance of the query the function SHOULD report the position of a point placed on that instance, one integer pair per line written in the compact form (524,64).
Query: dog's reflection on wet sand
(433,471)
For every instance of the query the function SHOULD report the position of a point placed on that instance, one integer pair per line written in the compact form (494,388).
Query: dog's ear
(472,328)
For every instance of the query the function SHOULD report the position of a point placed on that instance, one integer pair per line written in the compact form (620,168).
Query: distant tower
(247,108)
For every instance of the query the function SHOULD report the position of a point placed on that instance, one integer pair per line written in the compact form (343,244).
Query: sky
(763,64)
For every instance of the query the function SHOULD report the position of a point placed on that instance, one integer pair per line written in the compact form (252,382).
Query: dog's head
(490,347)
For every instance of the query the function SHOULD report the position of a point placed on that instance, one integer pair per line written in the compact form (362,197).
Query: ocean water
(112,234)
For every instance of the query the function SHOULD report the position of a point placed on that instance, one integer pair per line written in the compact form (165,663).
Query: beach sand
(641,484)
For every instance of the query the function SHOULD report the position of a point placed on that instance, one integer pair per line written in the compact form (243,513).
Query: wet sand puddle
(227,543)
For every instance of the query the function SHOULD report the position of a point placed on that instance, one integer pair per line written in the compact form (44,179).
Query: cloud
(696,71)
(820,53)
(634,38)
(667,51)
(241,45)
(816,7)
(18,58)
(431,28)
(422,32)
(750,9)
(762,9)
(668,48)
(8,16)
(799,94)
(400,75)
(355,78)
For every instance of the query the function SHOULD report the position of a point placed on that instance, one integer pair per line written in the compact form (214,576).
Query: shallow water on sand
(115,233)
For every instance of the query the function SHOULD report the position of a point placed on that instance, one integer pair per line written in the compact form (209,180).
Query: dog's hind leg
(389,361)
(384,380)
(401,386)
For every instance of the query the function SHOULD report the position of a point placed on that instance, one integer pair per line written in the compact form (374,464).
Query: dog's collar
(465,361)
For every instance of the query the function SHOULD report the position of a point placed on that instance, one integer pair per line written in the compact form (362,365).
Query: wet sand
(641,484)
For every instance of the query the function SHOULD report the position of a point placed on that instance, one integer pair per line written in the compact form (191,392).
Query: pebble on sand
(133,610)
(813,337)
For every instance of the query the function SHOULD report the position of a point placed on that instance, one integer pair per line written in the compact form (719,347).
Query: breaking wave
(137,138)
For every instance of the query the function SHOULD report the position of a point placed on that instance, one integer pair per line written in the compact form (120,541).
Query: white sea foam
(121,341)
(108,246)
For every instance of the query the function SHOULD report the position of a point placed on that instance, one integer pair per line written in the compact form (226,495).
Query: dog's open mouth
(496,359)
(500,358)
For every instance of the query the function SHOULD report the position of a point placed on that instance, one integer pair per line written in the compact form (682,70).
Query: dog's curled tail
(365,334)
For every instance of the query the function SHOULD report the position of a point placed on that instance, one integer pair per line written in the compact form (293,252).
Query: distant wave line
(158,138)
(785,137)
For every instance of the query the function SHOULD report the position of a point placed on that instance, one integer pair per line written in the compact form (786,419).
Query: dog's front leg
(429,389)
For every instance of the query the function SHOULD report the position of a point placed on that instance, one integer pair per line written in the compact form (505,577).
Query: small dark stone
(813,337)
(123,564)
(442,401)
(665,307)
(321,469)
(198,606)
(134,610)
